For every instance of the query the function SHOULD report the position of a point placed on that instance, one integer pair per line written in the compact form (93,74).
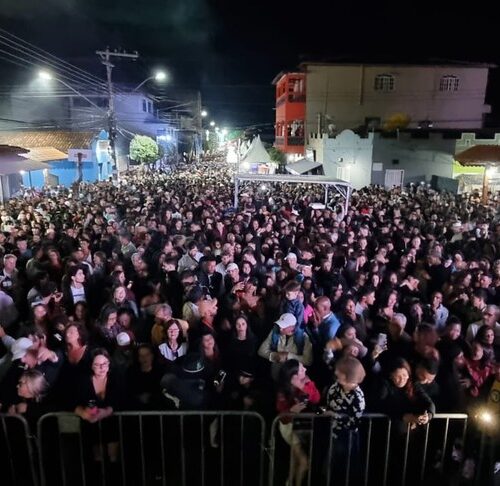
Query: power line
(28,64)
(53,60)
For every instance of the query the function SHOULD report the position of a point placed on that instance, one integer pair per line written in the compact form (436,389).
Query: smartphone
(219,379)
(382,339)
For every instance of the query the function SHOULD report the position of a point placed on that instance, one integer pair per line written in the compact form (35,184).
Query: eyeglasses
(101,365)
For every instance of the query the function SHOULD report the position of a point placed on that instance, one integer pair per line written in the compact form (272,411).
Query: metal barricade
(17,461)
(153,448)
(382,452)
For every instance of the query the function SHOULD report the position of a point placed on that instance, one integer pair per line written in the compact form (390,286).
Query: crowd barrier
(17,458)
(156,448)
(381,453)
(228,448)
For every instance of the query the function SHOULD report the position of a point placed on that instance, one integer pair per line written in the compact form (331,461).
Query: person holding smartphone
(296,392)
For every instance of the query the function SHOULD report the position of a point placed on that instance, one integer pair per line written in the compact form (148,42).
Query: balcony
(279,140)
(295,141)
(291,98)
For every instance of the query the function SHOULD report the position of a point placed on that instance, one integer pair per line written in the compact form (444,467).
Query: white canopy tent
(256,153)
(341,187)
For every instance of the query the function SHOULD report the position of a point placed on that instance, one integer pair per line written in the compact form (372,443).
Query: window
(384,82)
(449,83)
(144,106)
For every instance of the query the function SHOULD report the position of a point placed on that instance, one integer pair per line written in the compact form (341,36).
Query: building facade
(388,161)
(290,113)
(335,97)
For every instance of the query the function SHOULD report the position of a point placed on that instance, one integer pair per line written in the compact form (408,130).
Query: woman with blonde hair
(31,389)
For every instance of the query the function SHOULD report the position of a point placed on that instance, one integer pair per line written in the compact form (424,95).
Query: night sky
(231,50)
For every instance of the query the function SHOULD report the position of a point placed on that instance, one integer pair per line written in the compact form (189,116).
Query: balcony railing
(291,98)
(279,140)
(297,98)
(295,140)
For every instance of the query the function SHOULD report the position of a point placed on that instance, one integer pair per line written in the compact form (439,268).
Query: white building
(340,96)
(377,159)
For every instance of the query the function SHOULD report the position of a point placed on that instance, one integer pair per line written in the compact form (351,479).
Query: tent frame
(343,188)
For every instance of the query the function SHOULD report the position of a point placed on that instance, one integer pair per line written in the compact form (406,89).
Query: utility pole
(199,127)
(106,61)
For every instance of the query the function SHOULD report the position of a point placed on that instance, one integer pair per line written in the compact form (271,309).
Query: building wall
(290,113)
(344,95)
(419,158)
(347,156)
(365,160)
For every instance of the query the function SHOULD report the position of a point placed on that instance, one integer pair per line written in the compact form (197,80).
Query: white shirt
(78,294)
(167,353)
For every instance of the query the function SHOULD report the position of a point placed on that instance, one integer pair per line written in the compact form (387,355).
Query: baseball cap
(231,266)
(122,339)
(20,347)
(286,320)
(292,256)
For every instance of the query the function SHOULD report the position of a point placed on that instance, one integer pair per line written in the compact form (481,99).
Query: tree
(397,121)
(279,158)
(144,150)
(212,144)
(277,155)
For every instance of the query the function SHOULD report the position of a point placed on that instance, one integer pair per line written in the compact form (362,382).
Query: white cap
(286,320)
(20,347)
(291,256)
(231,266)
(123,339)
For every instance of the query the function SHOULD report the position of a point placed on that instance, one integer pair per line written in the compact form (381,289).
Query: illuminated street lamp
(212,124)
(45,75)
(204,113)
(159,76)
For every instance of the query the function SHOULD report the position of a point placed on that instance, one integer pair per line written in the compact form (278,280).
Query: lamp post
(159,76)
(48,76)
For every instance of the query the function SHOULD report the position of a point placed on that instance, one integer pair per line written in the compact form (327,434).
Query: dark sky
(231,50)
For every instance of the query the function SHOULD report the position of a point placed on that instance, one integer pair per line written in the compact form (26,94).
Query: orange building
(290,112)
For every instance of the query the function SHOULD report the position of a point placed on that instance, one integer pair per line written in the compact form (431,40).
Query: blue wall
(66,170)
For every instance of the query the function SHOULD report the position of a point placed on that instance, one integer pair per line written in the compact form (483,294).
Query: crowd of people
(155,293)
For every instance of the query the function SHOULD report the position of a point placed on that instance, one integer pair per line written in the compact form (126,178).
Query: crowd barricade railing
(382,452)
(18,466)
(153,448)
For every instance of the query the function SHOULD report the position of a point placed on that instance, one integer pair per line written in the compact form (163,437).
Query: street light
(204,113)
(45,75)
(48,76)
(212,124)
(159,76)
